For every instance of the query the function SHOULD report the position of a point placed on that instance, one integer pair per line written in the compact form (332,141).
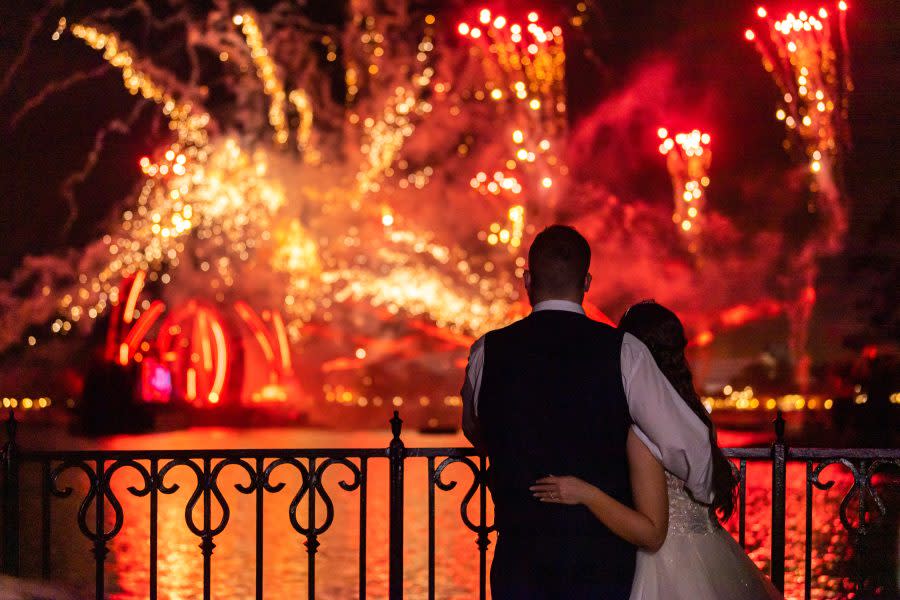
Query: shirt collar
(564,305)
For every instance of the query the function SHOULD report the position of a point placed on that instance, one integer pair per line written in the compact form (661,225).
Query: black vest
(552,402)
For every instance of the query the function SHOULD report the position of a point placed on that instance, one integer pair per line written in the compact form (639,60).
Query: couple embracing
(607,480)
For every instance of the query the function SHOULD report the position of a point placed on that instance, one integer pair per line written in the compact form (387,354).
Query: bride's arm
(644,525)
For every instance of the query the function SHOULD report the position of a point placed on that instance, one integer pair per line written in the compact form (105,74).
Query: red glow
(118,334)
(192,343)
(596,314)
(761,12)
(459,339)
(221,363)
(257,327)
(283,348)
(140,329)
(809,295)
(749,35)
(135,291)
(532,17)
(744,313)
(156,382)
(704,338)
(842,5)
(463,29)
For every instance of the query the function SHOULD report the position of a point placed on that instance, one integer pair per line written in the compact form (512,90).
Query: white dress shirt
(662,420)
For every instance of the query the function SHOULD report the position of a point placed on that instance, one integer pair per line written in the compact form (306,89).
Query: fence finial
(396,425)
(779,427)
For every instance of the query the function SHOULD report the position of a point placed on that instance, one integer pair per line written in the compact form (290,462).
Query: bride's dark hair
(663,334)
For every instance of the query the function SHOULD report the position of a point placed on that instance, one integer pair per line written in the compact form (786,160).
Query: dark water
(285,561)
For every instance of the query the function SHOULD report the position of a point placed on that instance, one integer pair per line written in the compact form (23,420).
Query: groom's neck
(576,298)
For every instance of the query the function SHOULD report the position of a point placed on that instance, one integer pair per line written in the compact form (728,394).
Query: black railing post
(397,454)
(11,499)
(779,492)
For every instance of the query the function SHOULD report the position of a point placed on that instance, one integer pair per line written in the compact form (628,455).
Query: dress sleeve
(664,422)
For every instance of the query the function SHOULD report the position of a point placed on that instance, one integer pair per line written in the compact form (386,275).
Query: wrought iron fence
(152,467)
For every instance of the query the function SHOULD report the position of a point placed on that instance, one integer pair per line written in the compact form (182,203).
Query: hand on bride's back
(561,490)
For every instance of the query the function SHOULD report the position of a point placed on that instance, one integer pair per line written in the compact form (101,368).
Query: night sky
(713,79)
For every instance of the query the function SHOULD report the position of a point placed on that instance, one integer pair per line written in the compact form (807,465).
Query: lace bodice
(686,516)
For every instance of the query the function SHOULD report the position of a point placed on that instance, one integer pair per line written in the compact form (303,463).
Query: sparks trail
(811,66)
(38,22)
(397,208)
(235,216)
(56,87)
(688,158)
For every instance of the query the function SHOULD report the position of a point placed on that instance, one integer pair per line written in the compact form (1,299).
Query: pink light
(484,16)
(842,5)
(156,382)
(749,35)
(463,29)
(500,22)
(532,17)
(761,11)
(475,33)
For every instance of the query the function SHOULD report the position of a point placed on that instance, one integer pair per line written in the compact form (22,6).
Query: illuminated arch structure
(200,354)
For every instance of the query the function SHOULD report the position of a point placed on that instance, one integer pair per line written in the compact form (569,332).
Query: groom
(556,393)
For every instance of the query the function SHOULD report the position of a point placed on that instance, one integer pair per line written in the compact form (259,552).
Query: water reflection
(180,563)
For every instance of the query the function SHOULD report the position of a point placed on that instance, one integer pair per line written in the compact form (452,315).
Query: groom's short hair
(559,259)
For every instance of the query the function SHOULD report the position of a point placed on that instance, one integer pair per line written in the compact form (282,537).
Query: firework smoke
(810,64)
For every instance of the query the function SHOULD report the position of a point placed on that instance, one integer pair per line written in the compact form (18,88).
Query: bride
(684,553)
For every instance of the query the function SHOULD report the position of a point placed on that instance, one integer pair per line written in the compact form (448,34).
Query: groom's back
(552,402)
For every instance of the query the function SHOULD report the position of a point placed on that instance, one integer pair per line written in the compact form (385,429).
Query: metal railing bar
(807,583)
(312,544)
(742,515)
(45,520)
(99,465)
(154,525)
(832,453)
(111,455)
(100,524)
(260,523)
(207,543)
(363,523)
(431,531)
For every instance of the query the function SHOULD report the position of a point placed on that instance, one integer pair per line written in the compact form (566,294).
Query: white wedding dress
(699,559)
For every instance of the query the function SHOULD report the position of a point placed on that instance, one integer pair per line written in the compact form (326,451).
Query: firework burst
(688,158)
(810,63)
(284,215)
